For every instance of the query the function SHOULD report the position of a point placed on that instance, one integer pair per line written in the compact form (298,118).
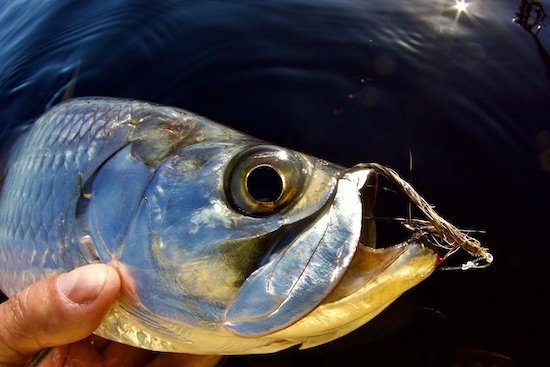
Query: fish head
(227,244)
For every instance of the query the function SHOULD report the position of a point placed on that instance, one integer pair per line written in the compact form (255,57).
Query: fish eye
(264,184)
(263,180)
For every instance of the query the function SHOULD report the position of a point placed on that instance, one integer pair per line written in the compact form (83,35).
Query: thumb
(56,311)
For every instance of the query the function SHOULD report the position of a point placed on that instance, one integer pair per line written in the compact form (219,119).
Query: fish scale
(34,222)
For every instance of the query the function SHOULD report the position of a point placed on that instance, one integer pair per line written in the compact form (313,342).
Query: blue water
(468,94)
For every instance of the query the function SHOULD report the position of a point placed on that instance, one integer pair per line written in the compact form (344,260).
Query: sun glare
(461,5)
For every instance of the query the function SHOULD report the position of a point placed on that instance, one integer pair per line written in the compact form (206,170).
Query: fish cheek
(219,273)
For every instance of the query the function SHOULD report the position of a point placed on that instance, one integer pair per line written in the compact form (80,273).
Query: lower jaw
(375,278)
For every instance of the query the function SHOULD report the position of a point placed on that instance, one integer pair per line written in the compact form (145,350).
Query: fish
(225,244)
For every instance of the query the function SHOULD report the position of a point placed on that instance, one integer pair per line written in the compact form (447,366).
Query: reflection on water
(457,83)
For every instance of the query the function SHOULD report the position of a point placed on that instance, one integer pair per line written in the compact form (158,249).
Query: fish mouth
(378,249)
(411,247)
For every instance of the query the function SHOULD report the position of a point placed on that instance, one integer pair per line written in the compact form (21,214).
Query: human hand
(62,312)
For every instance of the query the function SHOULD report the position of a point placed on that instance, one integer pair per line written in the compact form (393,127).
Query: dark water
(468,94)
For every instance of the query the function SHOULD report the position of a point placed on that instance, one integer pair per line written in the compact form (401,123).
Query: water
(468,94)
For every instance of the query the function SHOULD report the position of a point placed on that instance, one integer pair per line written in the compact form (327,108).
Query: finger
(99,343)
(80,353)
(185,360)
(93,352)
(56,311)
(124,355)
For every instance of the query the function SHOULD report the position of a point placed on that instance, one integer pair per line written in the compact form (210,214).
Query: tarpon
(225,244)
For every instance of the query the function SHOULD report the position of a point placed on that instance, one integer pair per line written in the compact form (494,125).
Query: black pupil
(264,184)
